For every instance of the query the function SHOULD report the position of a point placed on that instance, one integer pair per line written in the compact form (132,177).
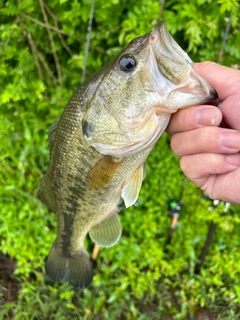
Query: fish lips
(176,78)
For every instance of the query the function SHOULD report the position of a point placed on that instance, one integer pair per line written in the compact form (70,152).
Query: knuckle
(209,139)
(207,64)
(184,164)
(174,143)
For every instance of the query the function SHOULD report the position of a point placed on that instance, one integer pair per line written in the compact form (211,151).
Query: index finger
(223,79)
(194,117)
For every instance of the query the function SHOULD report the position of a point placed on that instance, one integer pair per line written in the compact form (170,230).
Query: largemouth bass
(100,144)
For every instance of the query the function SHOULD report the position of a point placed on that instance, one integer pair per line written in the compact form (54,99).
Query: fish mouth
(176,78)
(172,59)
(169,43)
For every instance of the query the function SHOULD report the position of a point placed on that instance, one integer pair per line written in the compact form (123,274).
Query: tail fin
(77,270)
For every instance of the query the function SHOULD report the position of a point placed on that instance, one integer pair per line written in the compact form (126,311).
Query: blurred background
(47,48)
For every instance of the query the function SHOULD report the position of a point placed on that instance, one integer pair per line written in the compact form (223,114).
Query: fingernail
(208,116)
(231,140)
(233,159)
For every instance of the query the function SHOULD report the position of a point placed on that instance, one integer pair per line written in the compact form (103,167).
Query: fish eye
(127,63)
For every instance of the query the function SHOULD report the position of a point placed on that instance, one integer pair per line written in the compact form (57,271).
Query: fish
(100,144)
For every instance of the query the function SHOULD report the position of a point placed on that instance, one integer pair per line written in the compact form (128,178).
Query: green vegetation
(135,279)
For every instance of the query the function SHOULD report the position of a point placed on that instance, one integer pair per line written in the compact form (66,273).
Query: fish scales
(99,146)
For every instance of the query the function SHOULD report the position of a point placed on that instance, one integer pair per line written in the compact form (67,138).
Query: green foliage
(135,279)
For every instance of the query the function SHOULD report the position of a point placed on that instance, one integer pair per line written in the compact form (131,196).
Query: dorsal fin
(51,135)
(45,192)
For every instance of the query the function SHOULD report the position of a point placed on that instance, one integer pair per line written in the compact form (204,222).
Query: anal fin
(108,232)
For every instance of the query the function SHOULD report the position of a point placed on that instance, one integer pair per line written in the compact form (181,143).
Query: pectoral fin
(108,232)
(103,172)
(131,189)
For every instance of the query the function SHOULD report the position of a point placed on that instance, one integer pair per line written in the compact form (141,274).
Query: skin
(207,139)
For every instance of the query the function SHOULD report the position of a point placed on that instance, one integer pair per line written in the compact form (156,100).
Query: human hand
(207,139)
